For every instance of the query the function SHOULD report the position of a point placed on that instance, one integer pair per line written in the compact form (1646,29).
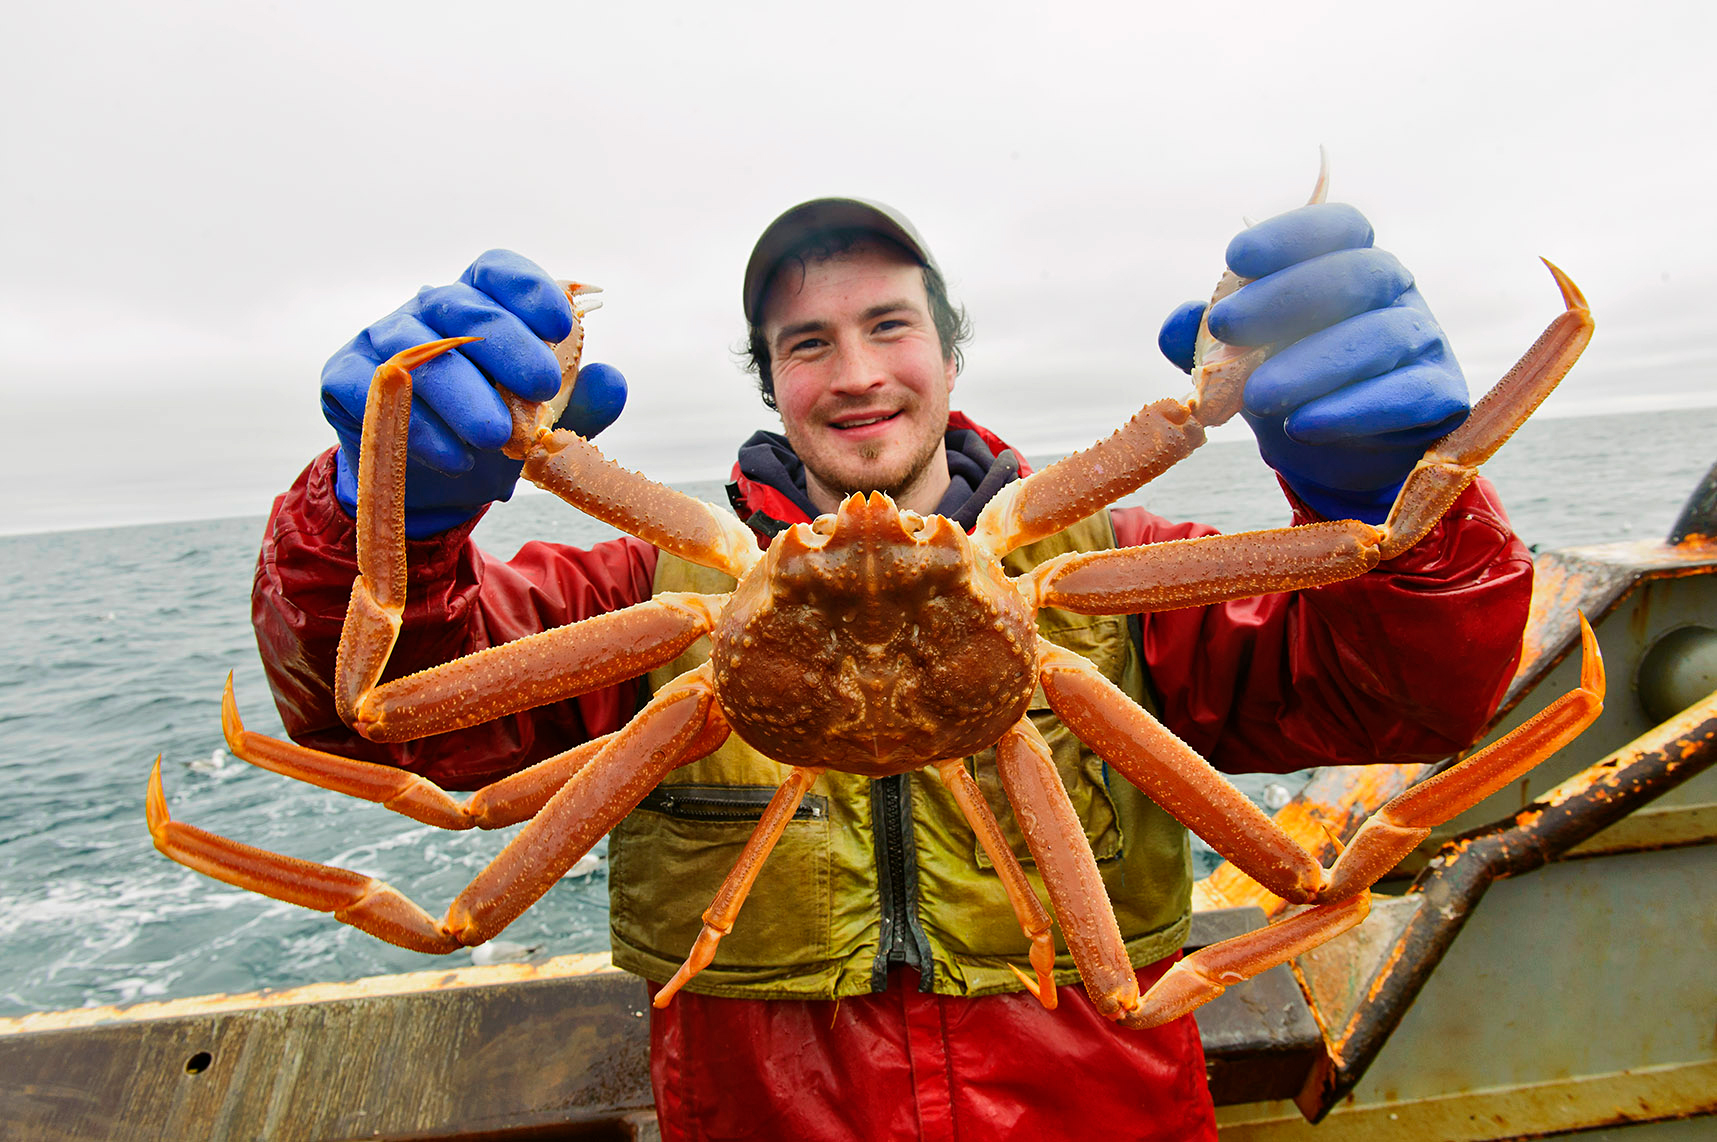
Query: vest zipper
(725,803)
(902,939)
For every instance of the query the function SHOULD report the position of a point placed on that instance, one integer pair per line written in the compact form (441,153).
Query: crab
(876,641)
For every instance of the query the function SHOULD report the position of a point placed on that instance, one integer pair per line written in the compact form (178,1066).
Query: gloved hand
(458,421)
(1364,378)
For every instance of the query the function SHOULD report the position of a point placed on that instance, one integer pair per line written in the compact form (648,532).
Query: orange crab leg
(1159,436)
(1033,920)
(723,912)
(1220,375)
(1392,832)
(1210,569)
(361,901)
(505,802)
(670,731)
(575,470)
(1450,464)
(1196,572)
(535,670)
(1057,843)
(533,419)
(1208,972)
(1172,774)
(529,672)
(1166,432)
(378,596)
(679,725)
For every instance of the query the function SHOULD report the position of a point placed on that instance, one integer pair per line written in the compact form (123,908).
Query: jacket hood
(768,488)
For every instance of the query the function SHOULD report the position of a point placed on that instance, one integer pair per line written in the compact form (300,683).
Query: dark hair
(953,327)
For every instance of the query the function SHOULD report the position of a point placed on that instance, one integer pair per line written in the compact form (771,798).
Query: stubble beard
(895,488)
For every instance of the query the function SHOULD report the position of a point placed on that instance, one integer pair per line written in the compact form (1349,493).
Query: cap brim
(787,231)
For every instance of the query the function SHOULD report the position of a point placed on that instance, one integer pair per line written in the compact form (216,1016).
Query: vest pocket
(671,854)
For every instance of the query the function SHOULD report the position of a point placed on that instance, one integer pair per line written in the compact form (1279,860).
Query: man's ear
(950,369)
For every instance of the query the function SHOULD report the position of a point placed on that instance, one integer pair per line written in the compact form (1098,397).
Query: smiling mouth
(865,422)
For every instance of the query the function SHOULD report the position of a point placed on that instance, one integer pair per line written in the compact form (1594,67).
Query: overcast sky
(202,201)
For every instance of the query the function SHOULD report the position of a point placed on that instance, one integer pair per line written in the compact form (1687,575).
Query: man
(865,992)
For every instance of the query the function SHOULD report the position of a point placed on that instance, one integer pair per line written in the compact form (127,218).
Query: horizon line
(1226,435)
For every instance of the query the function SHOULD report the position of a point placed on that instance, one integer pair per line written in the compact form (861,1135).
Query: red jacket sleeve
(460,600)
(1405,663)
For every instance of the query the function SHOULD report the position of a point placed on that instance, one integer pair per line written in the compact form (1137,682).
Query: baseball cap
(823,214)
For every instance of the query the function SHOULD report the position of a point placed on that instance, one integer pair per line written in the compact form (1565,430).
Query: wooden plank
(551,1052)
(509,1061)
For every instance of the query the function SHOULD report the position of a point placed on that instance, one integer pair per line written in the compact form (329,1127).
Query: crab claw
(409,359)
(577,292)
(1043,987)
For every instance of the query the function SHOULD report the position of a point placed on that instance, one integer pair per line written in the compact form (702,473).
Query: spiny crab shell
(834,651)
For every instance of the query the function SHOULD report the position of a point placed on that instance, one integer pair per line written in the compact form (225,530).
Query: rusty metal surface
(1340,974)
(1577,997)
(1653,606)
(1591,581)
(1624,1107)
(1659,827)
(1332,805)
(1459,877)
(1594,581)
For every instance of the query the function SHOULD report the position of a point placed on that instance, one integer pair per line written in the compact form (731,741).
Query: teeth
(862,423)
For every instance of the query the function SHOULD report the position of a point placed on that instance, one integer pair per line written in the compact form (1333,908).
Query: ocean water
(117,642)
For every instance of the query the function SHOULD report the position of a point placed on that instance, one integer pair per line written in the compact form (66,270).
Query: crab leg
(555,664)
(1172,774)
(535,670)
(1033,920)
(1208,972)
(378,596)
(679,725)
(1159,436)
(1057,843)
(1167,431)
(1175,777)
(1220,375)
(505,802)
(575,470)
(719,917)
(1450,464)
(1211,569)
(1395,829)
(361,901)
(532,419)
(1088,922)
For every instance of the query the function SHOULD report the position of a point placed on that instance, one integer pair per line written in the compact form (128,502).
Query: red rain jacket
(1404,663)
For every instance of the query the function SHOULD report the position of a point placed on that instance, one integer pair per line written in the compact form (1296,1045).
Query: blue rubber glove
(458,421)
(1365,378)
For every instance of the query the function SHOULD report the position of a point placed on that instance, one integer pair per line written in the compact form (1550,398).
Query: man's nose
(857,368)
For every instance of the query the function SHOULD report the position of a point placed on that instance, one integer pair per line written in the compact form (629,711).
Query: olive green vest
(811,927)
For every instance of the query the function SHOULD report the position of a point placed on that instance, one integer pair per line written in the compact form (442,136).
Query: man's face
(860,378)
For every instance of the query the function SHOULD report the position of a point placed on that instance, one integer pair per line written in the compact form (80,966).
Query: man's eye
(890,324)
(807,345)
